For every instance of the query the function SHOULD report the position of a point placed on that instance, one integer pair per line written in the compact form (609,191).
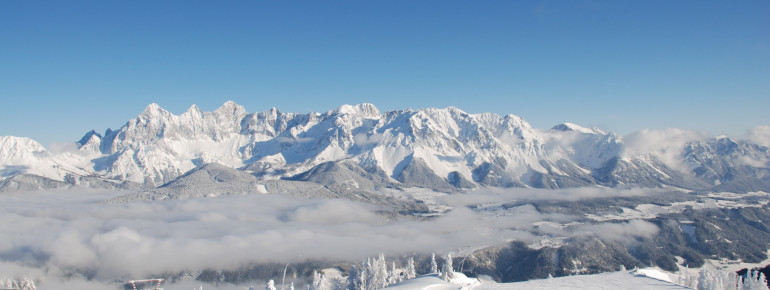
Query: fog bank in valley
(69,235)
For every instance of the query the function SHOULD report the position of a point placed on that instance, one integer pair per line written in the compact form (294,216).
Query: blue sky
(67,67)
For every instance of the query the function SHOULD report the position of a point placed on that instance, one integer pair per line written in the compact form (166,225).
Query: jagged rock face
(441,149)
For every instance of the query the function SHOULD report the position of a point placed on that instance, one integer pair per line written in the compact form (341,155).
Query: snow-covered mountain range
(442,149)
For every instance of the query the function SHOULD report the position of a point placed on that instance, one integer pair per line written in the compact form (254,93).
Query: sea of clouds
(70,238)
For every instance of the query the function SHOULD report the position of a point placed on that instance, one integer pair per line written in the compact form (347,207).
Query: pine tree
(755,281)
(291,286)
(410,271)
(381,273)
(448,271)
(270,285)
(761,280)
(368,269)
(393,278)
(746,284)
(319,281)
(687,280)
(433,264)
(704,280)
(353,278)
(316,281)
(362,280)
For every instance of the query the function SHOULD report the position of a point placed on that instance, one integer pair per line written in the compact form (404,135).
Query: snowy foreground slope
(442,149)
(630,280)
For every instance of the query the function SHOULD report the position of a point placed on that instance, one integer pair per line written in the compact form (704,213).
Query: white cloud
(69,250)
(623,232)
(333,212)
(499,195)
(283,139)
(760,135)
(666,144)
(63,147)
(364,139)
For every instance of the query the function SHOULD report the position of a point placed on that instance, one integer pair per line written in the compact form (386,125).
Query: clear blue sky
(67,67)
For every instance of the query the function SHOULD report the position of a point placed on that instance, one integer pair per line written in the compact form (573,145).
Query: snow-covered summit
(24,156)
(21,150)
(366,110)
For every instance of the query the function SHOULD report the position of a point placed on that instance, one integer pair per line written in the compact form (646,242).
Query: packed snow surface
(632,279)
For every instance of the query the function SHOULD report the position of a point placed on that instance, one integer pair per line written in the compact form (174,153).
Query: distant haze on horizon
(69,67)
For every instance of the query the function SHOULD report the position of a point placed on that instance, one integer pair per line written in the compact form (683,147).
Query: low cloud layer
(623,232)
(502,195)
(57,234)
(65,232)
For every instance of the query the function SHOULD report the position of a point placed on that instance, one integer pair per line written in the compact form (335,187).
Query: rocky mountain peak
(154,111)
(365,110)
(231,108)
(193,110)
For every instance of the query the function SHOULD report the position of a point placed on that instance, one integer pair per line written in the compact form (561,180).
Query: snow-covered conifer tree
(393,277)
(353,278)
(367,271)
(270,285)
(688,281)
(362,280)
(410,270)
(761,280)
(433,264)
(381,273)
(319,281)
(291,286)
(705,279)
(447,272)
(754,280)
(316,280)
(746,281)
(18,283)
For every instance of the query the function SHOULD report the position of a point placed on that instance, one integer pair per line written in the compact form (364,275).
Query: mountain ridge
(442,149)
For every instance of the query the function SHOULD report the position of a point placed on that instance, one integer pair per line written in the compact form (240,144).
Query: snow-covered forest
(378,273)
